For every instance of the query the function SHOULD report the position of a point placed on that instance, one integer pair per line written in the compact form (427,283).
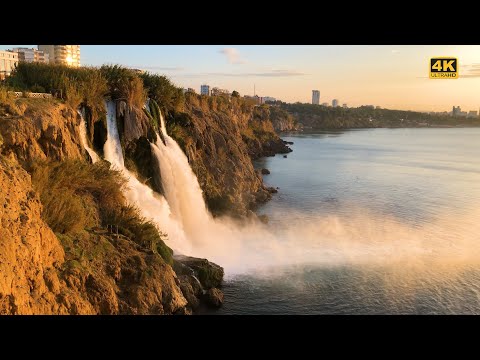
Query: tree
(235,93)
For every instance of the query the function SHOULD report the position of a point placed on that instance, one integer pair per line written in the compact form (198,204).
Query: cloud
(159,68)
(280,73)
(272,73)
(233,56)
(395,51)
(470,71)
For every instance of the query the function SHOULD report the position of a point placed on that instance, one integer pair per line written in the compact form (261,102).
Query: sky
(394,77)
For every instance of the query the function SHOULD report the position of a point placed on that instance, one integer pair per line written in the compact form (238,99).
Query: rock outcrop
(95,274)
(46,130)
(95,271)
(30,254)
(220,138)
(200,280)
(282,120)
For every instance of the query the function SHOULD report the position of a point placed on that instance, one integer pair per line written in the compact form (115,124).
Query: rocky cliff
(89,272)
(221,136)
(90,269)
(282,120)
(40,276)
(46,130)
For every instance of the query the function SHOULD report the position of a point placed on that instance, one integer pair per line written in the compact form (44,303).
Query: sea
(397,211)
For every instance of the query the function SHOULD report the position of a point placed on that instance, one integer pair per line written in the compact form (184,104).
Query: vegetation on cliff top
(237,128)
(79,197)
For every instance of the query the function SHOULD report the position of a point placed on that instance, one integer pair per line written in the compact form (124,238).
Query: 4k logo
(443,68)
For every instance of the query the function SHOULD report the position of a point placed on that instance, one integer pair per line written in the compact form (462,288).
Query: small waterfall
(152,206)
(83,137)
(113,148)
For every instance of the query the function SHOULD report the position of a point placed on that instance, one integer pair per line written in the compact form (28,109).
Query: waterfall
(182,190)
(151,205)
(112,148)
(83,137)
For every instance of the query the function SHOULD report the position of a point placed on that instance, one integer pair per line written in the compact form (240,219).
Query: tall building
(456,111)
(62,54)
(315,97)
(335,102)
(205,90)
(8,62)
(31,55)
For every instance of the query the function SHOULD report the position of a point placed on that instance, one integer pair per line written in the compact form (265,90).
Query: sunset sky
(393,76)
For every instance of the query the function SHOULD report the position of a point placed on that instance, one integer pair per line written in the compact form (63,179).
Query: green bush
(162,90)
(124,83)
(8,102)
(77,196)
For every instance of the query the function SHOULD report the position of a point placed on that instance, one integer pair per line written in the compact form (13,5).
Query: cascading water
(182,190)
(152,206)
(112,148)
(83,137)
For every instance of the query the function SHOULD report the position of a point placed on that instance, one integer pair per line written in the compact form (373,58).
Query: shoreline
(308,129)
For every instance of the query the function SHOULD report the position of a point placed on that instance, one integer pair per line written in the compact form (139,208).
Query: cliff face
(30,254)
(112,276)
(282,120)
(220,138)
(39,277)
(46,130)
(94,270)
(90,272)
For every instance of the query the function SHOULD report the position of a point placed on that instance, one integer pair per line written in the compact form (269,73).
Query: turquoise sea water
(415,192)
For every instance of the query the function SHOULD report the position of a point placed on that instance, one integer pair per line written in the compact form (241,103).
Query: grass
(8,103)
(78,196)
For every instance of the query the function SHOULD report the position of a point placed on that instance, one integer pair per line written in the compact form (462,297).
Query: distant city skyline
(394,77)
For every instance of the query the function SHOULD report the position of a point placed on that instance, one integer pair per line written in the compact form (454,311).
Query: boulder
(209,274)
(214,297)
(265,171)
(272,190)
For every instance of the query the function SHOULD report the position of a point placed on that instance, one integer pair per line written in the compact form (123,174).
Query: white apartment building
(335,102)
(8,62)
(315,97)
(31,55)
(62,54)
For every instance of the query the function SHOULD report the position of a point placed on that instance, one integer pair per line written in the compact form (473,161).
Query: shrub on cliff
(7,102)
(161,89)
(77,196)
(76,85)
(124,83)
